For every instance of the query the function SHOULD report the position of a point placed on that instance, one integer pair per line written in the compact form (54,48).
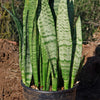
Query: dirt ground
(10,76)
(88,49)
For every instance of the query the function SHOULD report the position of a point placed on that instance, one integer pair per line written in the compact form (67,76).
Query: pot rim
(41,91)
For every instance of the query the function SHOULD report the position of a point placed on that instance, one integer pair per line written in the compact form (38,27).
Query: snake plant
(50,43)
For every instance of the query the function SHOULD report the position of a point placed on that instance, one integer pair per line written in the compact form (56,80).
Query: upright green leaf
(44,63)
(26,57)
(78,52)
(32,29)
(71,15)
(47,31)
(64,41)
(25,15)
(26,64)
(31,20)
(54,83)
(48,76)
(71,20)
(34,58)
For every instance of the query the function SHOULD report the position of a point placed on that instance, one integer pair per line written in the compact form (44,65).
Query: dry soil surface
(10,76)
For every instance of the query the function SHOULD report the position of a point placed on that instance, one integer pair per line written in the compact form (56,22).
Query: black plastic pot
(32,94)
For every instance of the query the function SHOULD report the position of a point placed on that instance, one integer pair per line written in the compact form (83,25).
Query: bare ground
(10,77)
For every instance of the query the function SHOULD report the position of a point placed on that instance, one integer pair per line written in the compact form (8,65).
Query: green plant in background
(50,45)
(7,25)
(89,12)
(5,18)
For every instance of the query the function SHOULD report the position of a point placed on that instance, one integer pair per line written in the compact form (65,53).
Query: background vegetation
(7,26)
(89,10)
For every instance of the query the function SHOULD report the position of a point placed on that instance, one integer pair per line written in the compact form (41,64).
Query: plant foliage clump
(50,45)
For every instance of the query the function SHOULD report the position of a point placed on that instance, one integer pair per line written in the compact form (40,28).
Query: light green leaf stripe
(56,4)
(78,52)
(64,41)
(47,31)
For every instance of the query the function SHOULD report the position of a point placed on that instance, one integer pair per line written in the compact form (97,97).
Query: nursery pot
(32,94)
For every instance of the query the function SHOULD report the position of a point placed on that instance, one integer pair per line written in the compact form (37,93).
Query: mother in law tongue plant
(50,43)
